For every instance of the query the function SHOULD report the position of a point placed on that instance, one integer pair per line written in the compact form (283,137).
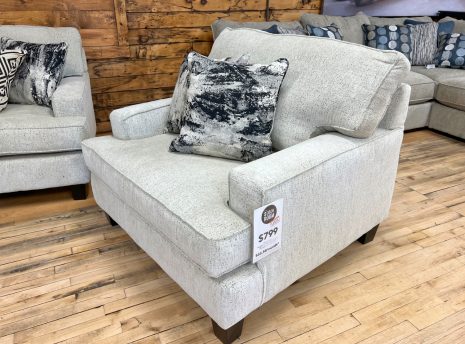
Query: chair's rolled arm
(141,120)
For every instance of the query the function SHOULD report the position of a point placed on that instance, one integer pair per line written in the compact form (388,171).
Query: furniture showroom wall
(135,47)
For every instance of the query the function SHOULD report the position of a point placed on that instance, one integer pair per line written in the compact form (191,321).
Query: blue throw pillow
(330,31)
(451,52)
(272,29)
(389,37)
(444,28)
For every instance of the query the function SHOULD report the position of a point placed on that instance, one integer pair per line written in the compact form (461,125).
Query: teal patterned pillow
(451,52)
(330,31)
(389,37)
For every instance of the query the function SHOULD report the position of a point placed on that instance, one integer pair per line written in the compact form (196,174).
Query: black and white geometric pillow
(424,43)
(10,60)
(451,52)
(280,30)
(389,37)
(331,31)
(39,74)
(178,105)
(230,108)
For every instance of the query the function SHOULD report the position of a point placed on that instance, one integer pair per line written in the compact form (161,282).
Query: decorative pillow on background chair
(10,61)
(424,43)
(178,105)
(330,31)
(444,27)
(230,108)
(280,30)
(451,52)
(39,74)
(389,37)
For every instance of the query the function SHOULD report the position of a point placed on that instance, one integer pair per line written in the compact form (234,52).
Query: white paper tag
(430,66)
(267,228)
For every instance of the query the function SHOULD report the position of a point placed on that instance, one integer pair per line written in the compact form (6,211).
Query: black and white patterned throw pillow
(451,52)
(424,43)
(10,61)
(179,99)
(331,31)
(39,74)
(389,37)
(281,30)
(230,108)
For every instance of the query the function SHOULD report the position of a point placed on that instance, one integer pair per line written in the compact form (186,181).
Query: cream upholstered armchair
(193,214)
(40,147)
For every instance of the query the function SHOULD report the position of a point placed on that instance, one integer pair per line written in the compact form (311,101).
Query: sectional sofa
(438,95)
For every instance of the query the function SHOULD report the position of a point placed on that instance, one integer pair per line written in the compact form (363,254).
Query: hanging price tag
(267,228)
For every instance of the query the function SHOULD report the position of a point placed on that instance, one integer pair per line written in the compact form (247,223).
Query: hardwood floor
(72,278)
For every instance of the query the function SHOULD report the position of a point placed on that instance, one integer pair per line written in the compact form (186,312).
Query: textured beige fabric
(452,93)
(219,25)
(351,27)
(29,129)
(183,196)
(423,88)
(418,116)
(397,110)
(379,21)
(448,120)
(74,65)
(324,89)
(440,74)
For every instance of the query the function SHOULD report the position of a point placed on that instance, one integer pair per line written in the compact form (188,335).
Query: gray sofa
(438,95)
(192,214)
(40,147)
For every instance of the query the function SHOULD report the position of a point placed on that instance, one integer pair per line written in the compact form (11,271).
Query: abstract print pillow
(10,61)
(280,30)
(451,52)
(424,43)
(39,74)
(330,31)
(389,37)
(231,108)
(179,98)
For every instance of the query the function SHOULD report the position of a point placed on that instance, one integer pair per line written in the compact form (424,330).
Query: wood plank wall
(134,47)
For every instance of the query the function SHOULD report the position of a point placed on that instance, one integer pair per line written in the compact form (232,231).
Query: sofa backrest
(351,27)
(330,85)
(219,25)
(75,61)
(380,21)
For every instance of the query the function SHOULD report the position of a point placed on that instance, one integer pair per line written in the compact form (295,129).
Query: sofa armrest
(73,98)
(335,188)
(141,120)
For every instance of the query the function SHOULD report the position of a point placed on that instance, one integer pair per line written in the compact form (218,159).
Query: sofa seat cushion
(32,129)
(184,197)
(422,88)
(450,85)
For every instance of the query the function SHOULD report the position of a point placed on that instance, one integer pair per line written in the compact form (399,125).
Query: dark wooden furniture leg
(230,335)
(368,236)
(112,222)
(79,191)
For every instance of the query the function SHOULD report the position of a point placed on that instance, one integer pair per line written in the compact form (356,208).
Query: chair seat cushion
(422,88)
(450,85)
(32,129)
(184,197)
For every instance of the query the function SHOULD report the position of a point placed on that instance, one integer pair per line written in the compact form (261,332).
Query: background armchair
(40,147)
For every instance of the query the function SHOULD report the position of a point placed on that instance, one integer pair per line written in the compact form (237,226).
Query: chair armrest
(335,188)
(141,120)
(73,98)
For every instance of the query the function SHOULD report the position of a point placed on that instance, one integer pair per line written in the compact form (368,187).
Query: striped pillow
(424,43)
(10,60)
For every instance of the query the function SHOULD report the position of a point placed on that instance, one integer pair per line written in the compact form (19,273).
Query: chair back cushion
(74,64)
(330,85)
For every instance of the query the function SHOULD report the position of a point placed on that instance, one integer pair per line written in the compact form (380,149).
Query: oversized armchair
(193,214)
(40,147)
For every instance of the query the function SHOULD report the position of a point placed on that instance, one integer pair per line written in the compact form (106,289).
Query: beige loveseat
(438,95)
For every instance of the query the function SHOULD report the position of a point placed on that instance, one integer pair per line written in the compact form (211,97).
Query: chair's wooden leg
(230,335)
(110,219)
(368,236)
(79,191)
